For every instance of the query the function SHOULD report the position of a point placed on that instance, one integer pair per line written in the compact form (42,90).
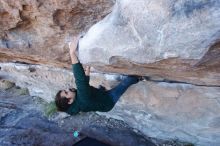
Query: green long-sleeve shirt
(88,98)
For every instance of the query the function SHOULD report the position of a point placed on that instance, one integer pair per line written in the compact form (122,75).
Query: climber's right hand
(73,45)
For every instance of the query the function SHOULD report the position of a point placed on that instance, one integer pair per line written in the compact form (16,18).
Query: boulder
(174,40)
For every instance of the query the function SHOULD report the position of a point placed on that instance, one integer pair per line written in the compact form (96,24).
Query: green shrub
(50,108)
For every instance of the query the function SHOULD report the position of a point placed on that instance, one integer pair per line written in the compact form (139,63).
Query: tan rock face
(37,31)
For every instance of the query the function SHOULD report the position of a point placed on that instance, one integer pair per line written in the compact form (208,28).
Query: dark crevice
(177,82)
(21,62)
(12,127)
(32,69)
(29,44)
(5,42)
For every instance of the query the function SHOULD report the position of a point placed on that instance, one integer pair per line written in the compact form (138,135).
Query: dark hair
(61,102)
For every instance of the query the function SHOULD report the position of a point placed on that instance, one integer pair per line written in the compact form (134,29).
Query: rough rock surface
(158,109)
(22,122)
(37,31)
(169,110)
(42,81)
(175,40)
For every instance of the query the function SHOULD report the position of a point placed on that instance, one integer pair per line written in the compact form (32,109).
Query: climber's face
(69,94)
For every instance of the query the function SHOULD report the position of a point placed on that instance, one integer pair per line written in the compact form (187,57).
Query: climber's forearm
(73,49)
(74,59)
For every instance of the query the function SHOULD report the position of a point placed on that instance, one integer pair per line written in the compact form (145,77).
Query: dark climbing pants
(117,91)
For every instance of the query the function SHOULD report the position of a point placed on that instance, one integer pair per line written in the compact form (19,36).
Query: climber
(88,98)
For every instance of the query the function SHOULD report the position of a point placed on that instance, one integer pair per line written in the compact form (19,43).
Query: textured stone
(159,109)
(37,31)
(42,81)
(175,40)
(139,37)
(5,84)
(165,110)
(22,122)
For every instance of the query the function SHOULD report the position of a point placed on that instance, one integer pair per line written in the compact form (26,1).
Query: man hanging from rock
(88,98)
